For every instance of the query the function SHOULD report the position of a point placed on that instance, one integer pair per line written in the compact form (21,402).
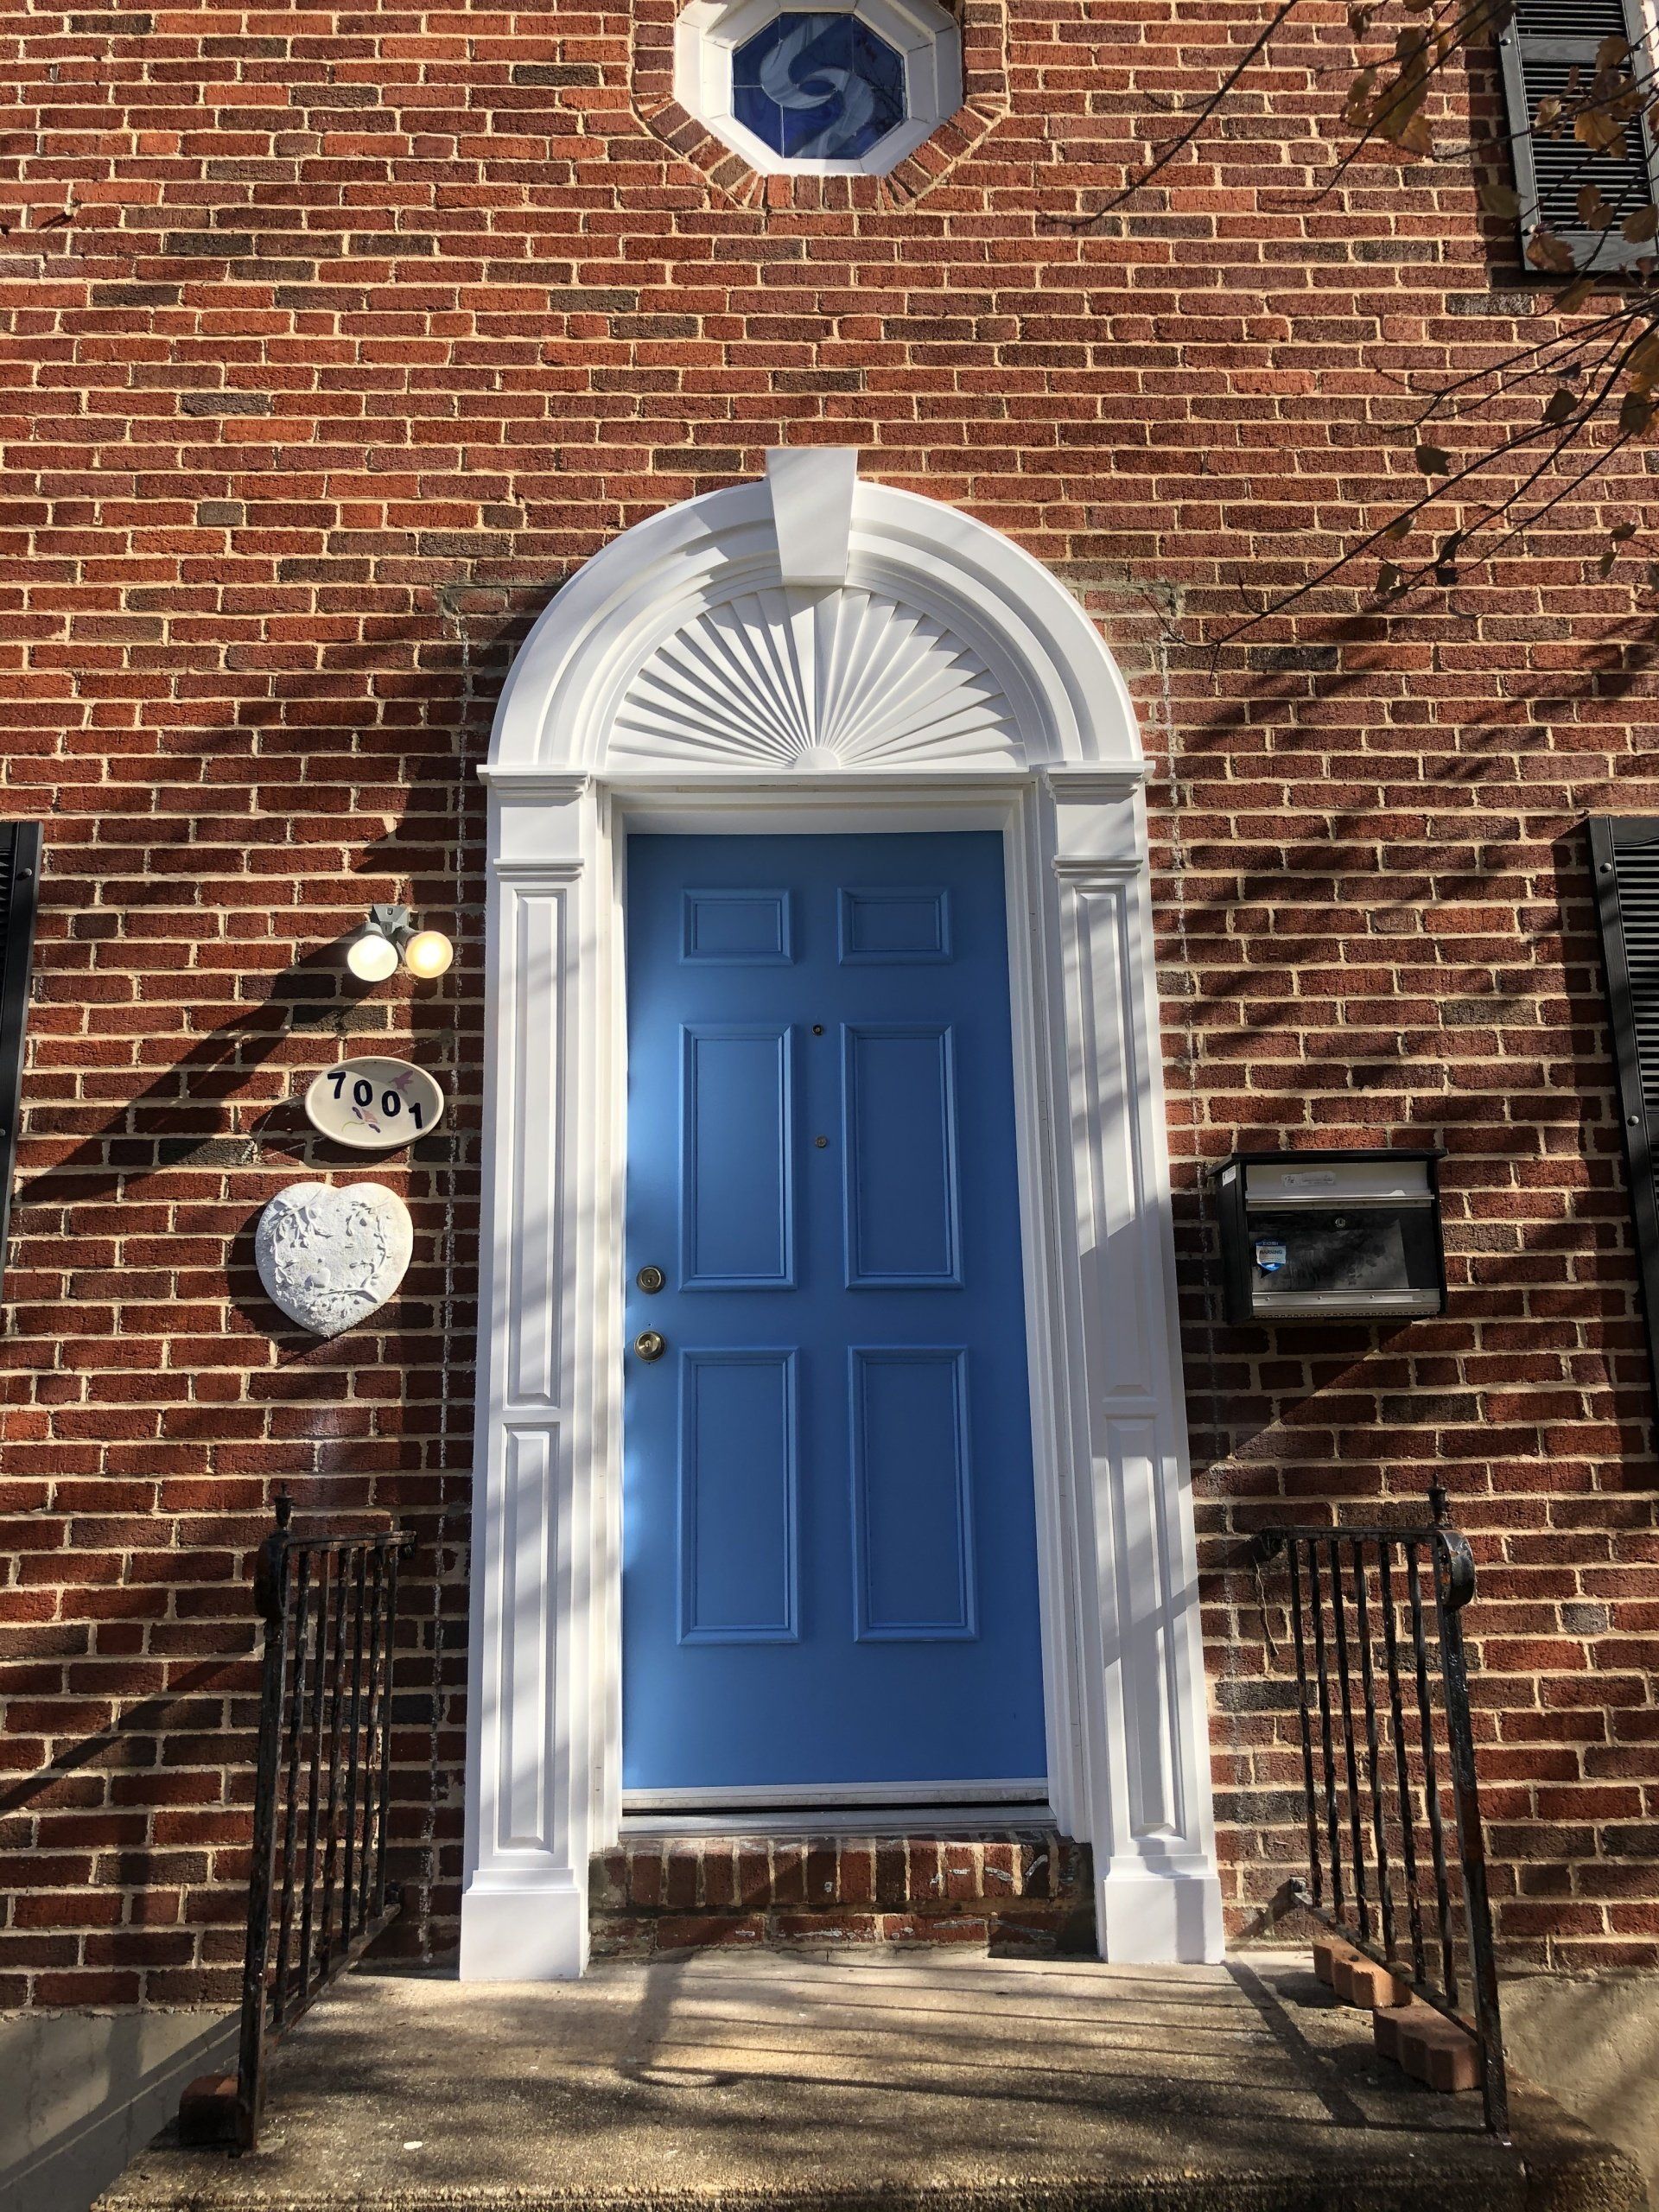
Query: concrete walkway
(869,2078)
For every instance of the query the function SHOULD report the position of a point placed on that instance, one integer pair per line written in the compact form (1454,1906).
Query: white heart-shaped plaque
(328,1257)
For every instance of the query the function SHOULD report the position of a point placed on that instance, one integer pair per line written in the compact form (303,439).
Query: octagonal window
(819,87)
(846,88)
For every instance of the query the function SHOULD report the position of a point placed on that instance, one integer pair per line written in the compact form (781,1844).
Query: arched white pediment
(811,622)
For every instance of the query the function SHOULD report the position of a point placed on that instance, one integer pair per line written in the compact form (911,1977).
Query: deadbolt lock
(649,1344)
(651,1278)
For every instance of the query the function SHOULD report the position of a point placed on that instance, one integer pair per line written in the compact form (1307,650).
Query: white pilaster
(1142,1679)
(525,1907)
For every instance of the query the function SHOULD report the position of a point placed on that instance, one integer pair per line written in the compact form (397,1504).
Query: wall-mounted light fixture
(390,935)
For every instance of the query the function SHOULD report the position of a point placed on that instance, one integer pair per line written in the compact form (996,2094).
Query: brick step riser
(1028,1893)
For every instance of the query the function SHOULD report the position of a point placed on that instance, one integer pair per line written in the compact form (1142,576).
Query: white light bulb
(428,953)
(372,956)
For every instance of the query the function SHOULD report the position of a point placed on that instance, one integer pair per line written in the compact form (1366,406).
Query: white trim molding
(810,652)
(707,33)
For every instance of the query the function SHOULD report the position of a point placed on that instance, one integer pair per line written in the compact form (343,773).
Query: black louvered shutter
(1625,859)
(1544,43)
(20,880)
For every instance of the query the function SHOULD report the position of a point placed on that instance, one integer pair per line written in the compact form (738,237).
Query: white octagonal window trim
(819,87)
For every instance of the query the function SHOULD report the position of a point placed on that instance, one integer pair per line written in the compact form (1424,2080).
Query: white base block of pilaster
(1147,1918)
(523,1933)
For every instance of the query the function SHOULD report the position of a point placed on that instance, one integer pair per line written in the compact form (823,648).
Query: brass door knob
(649,1344)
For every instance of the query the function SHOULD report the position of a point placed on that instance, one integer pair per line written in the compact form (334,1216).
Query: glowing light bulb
(428,953)
(372,956)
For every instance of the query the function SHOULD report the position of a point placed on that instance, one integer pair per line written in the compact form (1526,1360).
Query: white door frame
(812,652)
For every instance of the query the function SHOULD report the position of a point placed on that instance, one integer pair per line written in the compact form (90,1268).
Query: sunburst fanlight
(851,680)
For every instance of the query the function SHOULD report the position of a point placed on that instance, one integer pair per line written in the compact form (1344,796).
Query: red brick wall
(331,342)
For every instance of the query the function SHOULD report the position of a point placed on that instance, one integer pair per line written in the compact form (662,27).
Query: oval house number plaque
(374,1105)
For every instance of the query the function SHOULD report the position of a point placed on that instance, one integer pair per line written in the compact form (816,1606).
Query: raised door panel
(737,928)
(901,1202)
(882,926)
(913,1508)
(737,1165)
(739,1574)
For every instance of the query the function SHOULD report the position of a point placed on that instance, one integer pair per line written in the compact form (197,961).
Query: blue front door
(828,1527)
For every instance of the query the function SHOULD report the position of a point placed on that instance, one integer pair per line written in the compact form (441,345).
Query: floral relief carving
(329,1258)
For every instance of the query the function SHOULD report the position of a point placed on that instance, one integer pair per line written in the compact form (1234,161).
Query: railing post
(1454,1584)
(270,1598)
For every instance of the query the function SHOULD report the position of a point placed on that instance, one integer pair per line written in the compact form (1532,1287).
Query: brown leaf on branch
(1636,414)
(1500,200)
(1601,132)
(1593,211)
(1413,136)
(1434,460)
(1643,366)
(1638,229)
(1546,251)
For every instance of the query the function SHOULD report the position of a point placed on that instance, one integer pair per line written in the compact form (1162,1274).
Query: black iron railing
(1382,1696)
(317,1890)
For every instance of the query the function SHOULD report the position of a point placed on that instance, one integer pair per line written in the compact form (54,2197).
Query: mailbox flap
(1337,1182)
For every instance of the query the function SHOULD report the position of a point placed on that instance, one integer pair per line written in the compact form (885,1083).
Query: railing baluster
(1306,1711)
(291,1814)
(1431,1780)
(1397,1724)
(1349,1755)
(313,1806)
(347,1887)
(1379,1832)
(1332,1828)
(386,1738)
(336,1716)
(372,1720)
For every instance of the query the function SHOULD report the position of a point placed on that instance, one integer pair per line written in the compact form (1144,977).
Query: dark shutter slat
(19,879)
(1624,865)
(1545,41)
(1594,20)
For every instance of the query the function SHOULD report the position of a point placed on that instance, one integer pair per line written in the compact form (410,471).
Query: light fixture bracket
(392,922)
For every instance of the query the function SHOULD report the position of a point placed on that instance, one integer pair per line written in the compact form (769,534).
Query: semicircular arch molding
(810,621)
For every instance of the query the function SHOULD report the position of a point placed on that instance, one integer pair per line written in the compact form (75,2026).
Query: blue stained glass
(819,87)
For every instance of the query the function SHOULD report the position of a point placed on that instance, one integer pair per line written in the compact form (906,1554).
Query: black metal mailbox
(1331,1235)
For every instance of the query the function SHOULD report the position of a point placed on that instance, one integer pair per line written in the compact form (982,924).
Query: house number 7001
(374,1104)
(363,1095)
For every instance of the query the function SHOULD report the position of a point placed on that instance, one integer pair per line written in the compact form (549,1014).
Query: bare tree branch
(1178,145)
